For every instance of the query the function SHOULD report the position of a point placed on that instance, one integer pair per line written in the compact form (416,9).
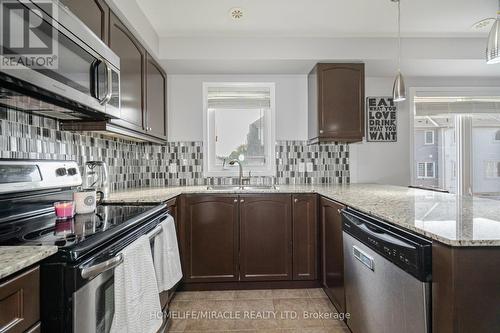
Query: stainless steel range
(77,283)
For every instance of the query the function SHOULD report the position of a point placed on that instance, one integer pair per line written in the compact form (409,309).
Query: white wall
(185,104)
(387,163)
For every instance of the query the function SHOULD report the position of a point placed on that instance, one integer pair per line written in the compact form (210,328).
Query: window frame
(433,137)
(495,137)
(496,167)
(426,176)
(462,184)
(209,167)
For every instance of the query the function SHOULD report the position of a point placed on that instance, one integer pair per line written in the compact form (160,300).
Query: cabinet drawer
(20,302)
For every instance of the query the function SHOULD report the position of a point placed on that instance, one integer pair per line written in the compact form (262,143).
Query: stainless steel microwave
(86,78)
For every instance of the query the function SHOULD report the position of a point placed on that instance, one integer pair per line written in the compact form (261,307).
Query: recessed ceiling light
(236,13)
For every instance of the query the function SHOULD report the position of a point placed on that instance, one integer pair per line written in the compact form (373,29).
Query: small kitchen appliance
(96,177)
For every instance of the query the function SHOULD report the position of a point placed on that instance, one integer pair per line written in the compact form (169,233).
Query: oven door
(78,72)
(94,305)
(94,302)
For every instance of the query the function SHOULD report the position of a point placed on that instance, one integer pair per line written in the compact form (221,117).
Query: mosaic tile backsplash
(132,164)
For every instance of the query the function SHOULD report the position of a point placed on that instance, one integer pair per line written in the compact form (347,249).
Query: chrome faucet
(232,162)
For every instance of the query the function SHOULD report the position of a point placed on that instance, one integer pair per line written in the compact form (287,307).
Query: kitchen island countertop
(450,219)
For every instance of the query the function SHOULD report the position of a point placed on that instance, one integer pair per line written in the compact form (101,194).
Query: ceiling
(318,18)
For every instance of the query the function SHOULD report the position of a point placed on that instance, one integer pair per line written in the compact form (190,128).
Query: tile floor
(278,310)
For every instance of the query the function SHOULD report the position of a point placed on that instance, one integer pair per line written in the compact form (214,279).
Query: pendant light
(398,89)
(492,50)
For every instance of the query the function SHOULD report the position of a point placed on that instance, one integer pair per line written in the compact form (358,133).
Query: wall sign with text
(381,120)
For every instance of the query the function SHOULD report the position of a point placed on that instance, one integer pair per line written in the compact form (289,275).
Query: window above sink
(239,123)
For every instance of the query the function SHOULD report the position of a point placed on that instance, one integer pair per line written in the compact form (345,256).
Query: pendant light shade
(492,51)
(399,89)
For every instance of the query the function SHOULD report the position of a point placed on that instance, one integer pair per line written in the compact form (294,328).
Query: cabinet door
(132,62)
(209,234)
(94,13)
(156,85)
(305,235)
(20,302)
(266,237)
(341,101)
(332,252)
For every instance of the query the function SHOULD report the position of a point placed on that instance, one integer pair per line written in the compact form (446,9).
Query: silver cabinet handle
(242,200)
(92,271)
(295,200)
(320,131)
(235,200)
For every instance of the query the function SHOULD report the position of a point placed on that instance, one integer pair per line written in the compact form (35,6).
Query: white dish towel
(137,305)
(167,260)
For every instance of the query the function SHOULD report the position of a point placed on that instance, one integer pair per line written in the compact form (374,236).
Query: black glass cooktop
(45,229)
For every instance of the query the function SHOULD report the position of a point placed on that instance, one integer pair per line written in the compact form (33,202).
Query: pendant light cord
(399,35)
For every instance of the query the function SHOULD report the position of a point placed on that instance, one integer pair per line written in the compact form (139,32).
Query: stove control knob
(61,172)
(72,171)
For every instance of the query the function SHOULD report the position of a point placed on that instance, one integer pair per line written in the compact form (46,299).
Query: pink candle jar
(64,209)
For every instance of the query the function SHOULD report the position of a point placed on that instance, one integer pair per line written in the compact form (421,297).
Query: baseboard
(247,285)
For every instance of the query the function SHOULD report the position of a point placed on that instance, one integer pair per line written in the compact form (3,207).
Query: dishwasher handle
(379,234)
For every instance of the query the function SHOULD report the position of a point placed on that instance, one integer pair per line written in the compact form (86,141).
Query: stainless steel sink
(241,188)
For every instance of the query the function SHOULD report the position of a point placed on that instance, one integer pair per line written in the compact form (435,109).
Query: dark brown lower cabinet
(20,302)
(209,238)
(332,252)
(266,237)
(465,289)
(305,236)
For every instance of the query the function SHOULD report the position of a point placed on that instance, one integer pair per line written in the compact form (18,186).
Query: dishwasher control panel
(408,251)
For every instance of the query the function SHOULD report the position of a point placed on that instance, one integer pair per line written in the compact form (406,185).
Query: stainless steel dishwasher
(387,276)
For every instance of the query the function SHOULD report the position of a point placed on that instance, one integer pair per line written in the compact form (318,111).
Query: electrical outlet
(302,167)
(309,167)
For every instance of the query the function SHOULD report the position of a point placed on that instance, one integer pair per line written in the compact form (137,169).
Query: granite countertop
(15,258)
(447,218)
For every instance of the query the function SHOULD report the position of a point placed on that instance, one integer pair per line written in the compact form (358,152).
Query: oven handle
(89,272)
(95,270)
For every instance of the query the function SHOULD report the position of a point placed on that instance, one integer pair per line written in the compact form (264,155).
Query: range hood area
(21,96)
(107,128)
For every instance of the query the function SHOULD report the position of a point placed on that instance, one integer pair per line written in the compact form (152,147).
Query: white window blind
(238,98)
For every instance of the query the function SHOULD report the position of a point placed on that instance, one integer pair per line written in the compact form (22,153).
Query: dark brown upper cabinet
(209,238)
(305,236)
(156,99)
(266,237)
(332,252)
(336,102)
(132,73)
(94,13)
